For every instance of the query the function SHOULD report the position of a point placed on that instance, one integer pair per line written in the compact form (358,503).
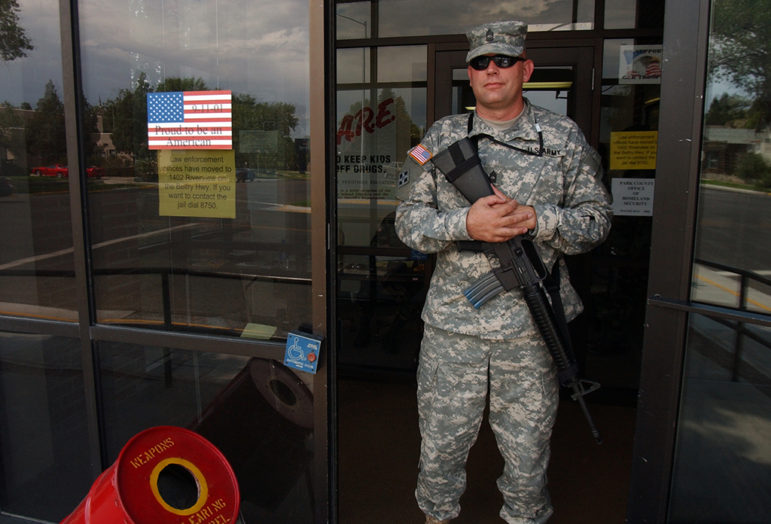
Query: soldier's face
(498,90)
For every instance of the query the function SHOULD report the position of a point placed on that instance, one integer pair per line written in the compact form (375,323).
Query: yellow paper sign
(196,183)
(633,150)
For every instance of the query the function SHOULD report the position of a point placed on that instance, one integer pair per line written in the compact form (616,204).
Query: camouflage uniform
(464,349)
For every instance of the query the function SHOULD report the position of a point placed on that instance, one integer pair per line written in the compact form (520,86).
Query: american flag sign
(420,154)
(190,120)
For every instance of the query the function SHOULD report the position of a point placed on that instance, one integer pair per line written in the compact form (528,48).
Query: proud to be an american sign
(190,120)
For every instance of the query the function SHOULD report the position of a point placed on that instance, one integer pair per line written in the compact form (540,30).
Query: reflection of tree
(45,135)
(728,110)
(13,42)
(41,134)
(269,125)
(125,118)
(741,41)
(405,126)
(10,139)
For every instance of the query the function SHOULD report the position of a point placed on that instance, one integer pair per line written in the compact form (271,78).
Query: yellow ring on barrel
(203,488)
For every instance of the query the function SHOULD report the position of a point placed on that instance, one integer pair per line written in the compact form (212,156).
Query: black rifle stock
(519,265)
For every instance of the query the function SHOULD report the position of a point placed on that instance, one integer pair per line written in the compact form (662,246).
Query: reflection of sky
(717,87)
(256,48)
(24,79)
(441,17)
(410,17)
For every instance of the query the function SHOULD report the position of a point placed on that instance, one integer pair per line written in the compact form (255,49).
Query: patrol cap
(505,38)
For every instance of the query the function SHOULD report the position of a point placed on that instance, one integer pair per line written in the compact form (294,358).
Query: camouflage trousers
(454,374)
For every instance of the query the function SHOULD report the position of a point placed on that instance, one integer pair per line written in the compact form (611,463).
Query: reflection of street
(222,273)
(724,288)
(733,270)
(723,449)
(732,238)
(734,227)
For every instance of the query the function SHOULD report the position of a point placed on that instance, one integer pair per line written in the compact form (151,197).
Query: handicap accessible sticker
(302,352)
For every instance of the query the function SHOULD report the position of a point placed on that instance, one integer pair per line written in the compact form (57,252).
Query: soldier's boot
(434,520)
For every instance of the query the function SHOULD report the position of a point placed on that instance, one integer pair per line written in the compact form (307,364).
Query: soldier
(547,187)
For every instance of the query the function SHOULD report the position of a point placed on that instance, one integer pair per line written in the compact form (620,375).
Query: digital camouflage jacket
(562,184)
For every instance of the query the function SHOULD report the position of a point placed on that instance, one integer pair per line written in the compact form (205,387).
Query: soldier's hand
(497,218)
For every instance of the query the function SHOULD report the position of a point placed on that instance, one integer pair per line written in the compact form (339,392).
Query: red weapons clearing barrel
(163,475)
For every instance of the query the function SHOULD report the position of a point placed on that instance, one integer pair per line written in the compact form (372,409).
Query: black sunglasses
(480,63)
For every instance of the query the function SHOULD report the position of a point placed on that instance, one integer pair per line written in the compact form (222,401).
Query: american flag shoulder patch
(420,154)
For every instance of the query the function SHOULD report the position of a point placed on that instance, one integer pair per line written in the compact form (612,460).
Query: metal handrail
(746,276)
(164,273)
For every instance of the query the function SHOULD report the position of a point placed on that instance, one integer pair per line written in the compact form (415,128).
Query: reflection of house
(103,140)
(13,145)
(724,146)
(764,146)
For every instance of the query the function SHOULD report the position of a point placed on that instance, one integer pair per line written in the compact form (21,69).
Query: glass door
(161,247)
(381,104)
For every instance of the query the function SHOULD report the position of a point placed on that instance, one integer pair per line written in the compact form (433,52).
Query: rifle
(519,266)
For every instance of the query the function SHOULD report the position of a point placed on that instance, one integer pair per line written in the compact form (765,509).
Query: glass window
(353,65)
(731,266)
(36,262)
(438,17)
(207,229)
(257,412)
(402,64)
(620,14)
(634,14)
(353,20)
(722,450)
(44,441)
(628,135)
(380,279)
(372,140)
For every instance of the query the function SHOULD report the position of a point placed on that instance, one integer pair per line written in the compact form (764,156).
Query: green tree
(740,51)
(13,41)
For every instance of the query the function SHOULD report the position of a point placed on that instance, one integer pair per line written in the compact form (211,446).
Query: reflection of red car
(94,172)
(61,171)
(56,170)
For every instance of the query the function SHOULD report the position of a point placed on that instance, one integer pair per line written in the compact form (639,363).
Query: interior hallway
(379,441)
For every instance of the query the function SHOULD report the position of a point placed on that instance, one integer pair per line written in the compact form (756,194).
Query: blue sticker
(302,352)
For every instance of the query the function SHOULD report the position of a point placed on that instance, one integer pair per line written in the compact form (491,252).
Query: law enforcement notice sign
(302,352)
(197,184)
